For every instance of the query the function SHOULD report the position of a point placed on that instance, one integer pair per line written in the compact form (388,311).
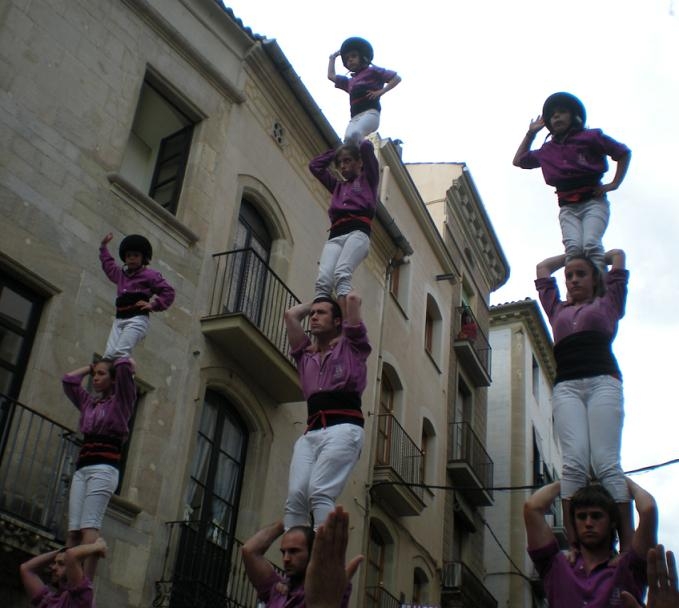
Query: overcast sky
(474,74)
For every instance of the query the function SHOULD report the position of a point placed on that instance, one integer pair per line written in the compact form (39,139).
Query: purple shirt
(579,159)
(341,368)
(569,586)
(600,315)
(109,416)
(274,598)
(369,78)
(144,280)
(78,596)
(358,196)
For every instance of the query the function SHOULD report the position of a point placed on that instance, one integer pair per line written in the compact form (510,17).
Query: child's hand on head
(536,124)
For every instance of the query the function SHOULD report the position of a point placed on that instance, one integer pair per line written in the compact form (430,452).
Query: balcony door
(250,265)
(384,421)
(205,552)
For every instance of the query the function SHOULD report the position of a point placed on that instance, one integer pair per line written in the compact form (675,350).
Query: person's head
(348,161)
(57,568)
(135,251)
(103,375)
(594,517)
(296,546)
(325,317)
(563,112)
(583,279)
(356,53)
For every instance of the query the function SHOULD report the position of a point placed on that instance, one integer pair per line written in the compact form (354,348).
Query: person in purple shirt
(71,588)
(365,87)
(352,209)
(595,576)
(574,162)
(141,291)
(332,372)
(104,423)
(587,399)
(299,553)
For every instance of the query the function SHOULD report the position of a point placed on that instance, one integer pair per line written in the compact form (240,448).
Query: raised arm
(615,258)
(646,535)
(108,263)
(257,567)
(28,570)
(527,141)
(353,309)
(293,323)
(332,75)
(74,557)
(538,531)
(548,266)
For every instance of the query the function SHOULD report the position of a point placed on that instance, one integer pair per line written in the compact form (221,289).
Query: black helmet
(364,48)
(136,242)
(564,100)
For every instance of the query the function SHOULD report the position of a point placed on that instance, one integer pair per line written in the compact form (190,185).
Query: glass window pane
(10,346)
(15,308)
(5,380)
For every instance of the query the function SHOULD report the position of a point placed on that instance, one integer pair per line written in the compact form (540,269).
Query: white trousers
(588,417)
(582,228)
(125,335)
(339,258)
(361,125)
(321,463)
(91,490)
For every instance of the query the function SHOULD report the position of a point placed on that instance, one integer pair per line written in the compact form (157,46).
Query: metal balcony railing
(395,449)
(244,284)
(466,447)
(467,329)
(457,579)
(37,460)
(379,597)
(203,568)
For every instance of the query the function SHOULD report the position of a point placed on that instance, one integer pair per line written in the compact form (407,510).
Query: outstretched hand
(535,125)
(328,574)
(107,239)
(663,591)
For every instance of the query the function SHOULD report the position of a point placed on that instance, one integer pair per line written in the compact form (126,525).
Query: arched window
(420,587)
(379,544)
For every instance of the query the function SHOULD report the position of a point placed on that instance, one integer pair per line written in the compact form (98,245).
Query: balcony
(460,588)
(469,465)
(245,320)
(379,597)
(472,348)
(398,462)
(554,518)
(203,568)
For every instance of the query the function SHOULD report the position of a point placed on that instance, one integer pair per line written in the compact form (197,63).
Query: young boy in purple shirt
(365,87)
(332,371)
(140,291)
(574,162)
(596,577)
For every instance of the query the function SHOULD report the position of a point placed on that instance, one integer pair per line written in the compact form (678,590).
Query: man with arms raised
(596,575)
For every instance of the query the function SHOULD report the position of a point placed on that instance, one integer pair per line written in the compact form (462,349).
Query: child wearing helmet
(365,87)
(574,161)
(141,290)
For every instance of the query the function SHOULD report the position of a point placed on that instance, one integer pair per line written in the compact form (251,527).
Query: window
(420,587)
(159,143)
(538,478)
(428,333)
(384,420)
(428,451)
(399,279)
(20,310)
(432,329)
(375,565)
(535,378)
(212,496)
(394,280)
(464,403)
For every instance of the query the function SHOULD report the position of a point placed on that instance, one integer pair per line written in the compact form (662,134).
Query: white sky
(474,74)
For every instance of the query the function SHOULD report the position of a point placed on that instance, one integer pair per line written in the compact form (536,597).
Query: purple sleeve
(38,597)
(296,353)
(610,146)
(385,75)
(125,389)
(616,291)
(108,265)
(346,597)
(549,296)
(371,168)
(264,590)
(73,389)
(530,160)
(357,335)
(543,557)
(342,82)
(319,169)
(164,293)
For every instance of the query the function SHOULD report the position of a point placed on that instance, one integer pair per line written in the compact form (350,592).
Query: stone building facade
(171,119)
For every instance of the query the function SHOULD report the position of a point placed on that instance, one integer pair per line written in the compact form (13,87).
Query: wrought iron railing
(459,580)
(396,449)
(37,459)
(244,284)
(465,446)
(379,597)
(467,328)
(203,568)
